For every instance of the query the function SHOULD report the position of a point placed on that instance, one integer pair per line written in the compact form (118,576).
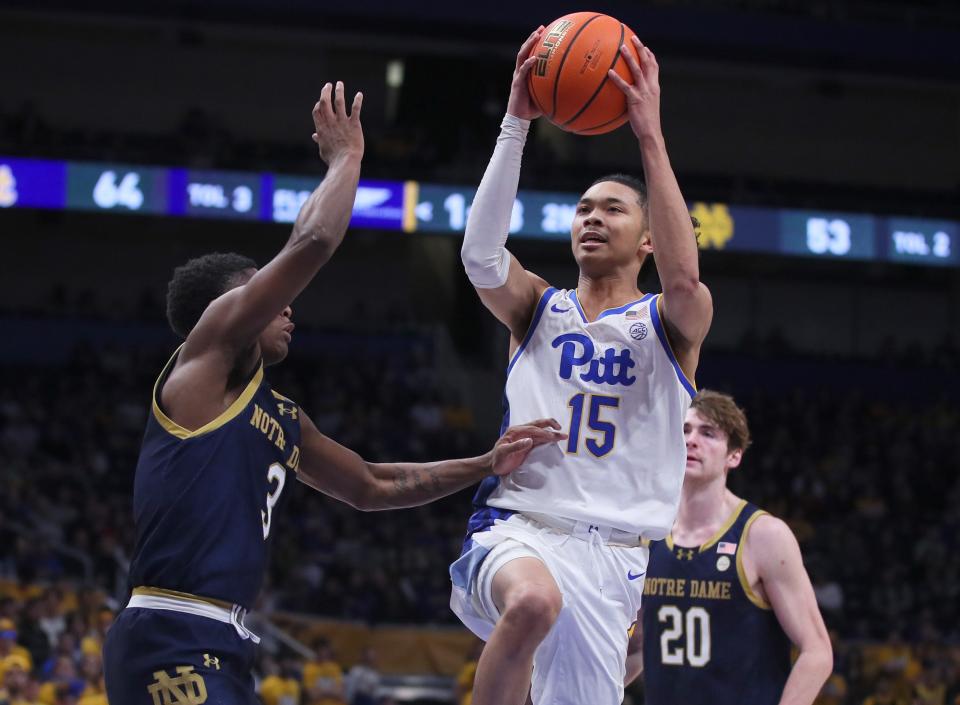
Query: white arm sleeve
(484,256)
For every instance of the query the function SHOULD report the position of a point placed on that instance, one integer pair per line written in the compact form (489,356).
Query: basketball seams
(556,79)
(588,130)
(606,77)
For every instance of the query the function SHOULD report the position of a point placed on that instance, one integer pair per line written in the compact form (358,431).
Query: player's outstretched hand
(521,105)
(643,96)
(517,441)
(337,134)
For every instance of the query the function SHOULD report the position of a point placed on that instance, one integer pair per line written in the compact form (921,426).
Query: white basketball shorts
(582,659)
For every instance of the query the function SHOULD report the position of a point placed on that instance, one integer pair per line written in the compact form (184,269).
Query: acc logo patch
(723,562)
(638,331)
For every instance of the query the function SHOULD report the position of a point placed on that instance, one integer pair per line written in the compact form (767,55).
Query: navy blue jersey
(204,501)
(707,637)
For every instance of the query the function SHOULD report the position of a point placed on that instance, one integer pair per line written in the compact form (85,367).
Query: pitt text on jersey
(611,367)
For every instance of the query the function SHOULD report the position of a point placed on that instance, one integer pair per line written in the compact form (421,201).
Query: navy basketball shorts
(164,657)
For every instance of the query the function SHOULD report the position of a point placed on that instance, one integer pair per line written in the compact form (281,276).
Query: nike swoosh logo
(559,310)
(631,576)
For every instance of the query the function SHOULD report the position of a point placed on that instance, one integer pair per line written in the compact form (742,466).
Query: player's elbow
(317,241)
(820,659)
(366,500)
(474,261)
(682,285)
(825,661)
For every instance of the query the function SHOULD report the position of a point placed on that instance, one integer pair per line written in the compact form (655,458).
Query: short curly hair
(198,282)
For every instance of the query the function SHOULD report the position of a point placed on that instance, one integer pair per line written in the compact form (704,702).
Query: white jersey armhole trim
(655,317)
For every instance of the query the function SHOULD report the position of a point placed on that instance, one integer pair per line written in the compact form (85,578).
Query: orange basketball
(569,81)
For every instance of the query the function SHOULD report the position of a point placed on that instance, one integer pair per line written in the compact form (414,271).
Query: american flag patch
(725,547)
(632,314)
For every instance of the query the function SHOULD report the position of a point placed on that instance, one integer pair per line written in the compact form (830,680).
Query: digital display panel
(435,208)
(120,187)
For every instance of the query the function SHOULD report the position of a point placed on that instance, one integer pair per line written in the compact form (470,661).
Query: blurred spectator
(363,680)
(463,687)
(64,676)
(11,653)
(884,694)
(931,686)
(16,686)
(91,670)
(323,676)
(280,686)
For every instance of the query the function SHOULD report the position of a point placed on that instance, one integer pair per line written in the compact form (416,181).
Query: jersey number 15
(594,404)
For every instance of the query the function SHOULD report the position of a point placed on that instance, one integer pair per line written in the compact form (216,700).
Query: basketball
(569,81)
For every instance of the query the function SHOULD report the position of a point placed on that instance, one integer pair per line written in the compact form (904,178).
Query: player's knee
(533,608)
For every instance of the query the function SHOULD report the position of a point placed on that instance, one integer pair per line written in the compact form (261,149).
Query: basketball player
(551,572)
(221,445)
(726,593)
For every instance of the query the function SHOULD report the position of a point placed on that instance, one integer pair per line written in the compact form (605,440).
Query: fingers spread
(527,46)
(323,111)
(520,446)
(338,102)
(651,67)
(619,82)
(355,108)
(526,66)
(635,68)
(545,423)
(540,436)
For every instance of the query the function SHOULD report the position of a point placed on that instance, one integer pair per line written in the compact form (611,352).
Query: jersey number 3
(274,472)
(697,652)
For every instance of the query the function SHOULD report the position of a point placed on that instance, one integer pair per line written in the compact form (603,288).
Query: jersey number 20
(274,472)
(695,623)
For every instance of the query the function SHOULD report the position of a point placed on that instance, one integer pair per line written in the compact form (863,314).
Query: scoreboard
(412,206)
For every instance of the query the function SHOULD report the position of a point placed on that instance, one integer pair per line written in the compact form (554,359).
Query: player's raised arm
(505,287)
(687,306)
(339,472)
(775,551)
(239,316)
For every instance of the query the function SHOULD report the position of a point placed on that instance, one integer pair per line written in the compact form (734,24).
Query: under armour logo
(209,661)
(685,554)
(187,688)
(285,410)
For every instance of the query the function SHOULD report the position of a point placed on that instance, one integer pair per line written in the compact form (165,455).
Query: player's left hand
(516,443)
(643,96)
(520,103)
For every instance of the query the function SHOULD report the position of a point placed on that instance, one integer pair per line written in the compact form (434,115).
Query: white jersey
(615,386)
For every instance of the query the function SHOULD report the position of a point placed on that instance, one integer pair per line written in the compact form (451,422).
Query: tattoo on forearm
(400,482)
(417,481)
(434,478)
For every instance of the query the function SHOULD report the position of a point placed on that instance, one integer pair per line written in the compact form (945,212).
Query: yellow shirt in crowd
(276,690)
(315,673)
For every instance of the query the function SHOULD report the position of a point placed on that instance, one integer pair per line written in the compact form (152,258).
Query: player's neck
(597,294)
(704,508)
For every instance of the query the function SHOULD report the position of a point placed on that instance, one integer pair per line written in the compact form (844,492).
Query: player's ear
(734,458)
(645,246)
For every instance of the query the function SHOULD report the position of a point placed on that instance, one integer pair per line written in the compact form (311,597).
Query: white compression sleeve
(484,256)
